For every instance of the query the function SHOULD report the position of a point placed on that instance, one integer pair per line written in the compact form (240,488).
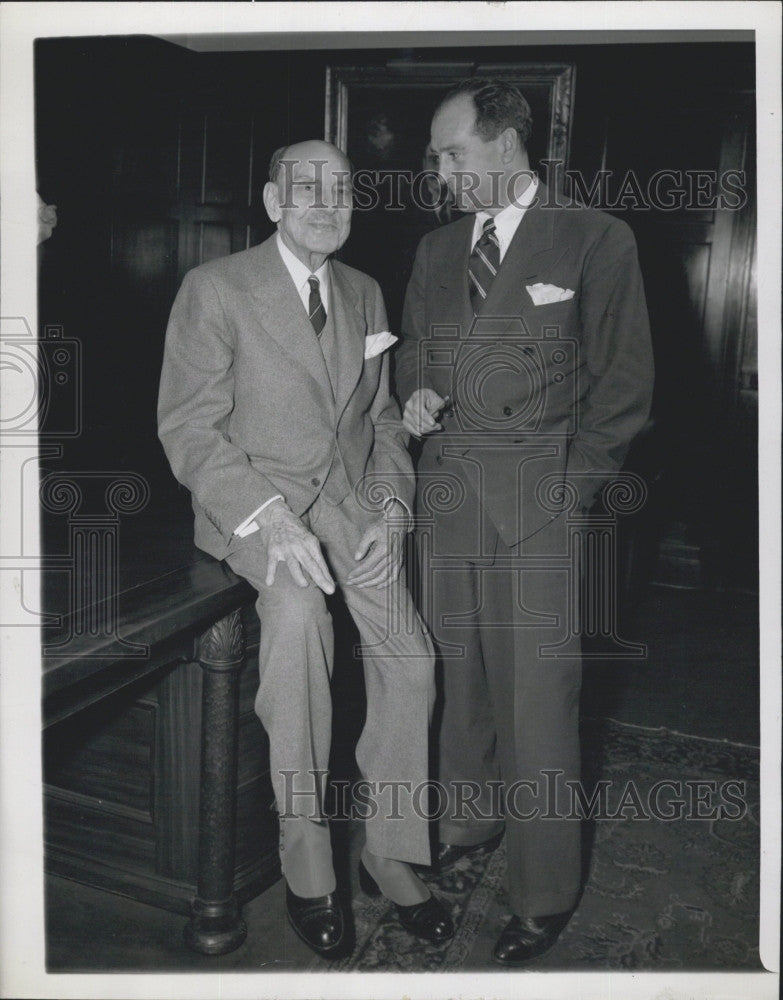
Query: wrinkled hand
(420,411)
(380,551)
(287,540)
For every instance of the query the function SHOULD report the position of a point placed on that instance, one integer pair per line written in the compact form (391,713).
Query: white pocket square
(377,343)
(544,294)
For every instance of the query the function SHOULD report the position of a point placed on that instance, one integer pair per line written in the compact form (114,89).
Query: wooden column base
(215,928)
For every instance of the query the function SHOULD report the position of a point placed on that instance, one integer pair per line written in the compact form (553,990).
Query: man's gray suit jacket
(246,406)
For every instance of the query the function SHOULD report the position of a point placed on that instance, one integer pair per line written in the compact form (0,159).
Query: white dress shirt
(507,220)
(300,273)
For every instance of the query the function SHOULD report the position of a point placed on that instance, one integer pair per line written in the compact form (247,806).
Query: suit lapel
(450,279)
(350,329)
(530,255)
(283,315)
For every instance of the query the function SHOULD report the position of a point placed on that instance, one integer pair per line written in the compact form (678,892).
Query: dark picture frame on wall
(409,91)
(380,114)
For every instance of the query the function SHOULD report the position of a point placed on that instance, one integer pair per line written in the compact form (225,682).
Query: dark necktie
(483,265)
(315,307)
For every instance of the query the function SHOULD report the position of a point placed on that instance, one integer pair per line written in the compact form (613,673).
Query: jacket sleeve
(391,461)
(616,360)
(409,374)
(195,401)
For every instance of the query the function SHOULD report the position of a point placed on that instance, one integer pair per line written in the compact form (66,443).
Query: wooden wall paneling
(122,790)
(107,756)
(226,157)
(694,265)
(221,210)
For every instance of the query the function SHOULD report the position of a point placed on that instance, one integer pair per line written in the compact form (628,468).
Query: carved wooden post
(216,925)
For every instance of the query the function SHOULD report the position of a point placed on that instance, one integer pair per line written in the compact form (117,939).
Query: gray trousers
(507,728)
(294,700)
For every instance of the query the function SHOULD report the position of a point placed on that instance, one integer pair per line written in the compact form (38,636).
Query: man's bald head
(308,196)
(308,148)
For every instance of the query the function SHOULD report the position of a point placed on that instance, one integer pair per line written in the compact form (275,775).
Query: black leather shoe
(525,938)
(319,921)
(449,854)
(429,919)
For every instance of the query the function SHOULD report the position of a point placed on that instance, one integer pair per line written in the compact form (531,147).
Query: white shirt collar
(300,273)
(508,219)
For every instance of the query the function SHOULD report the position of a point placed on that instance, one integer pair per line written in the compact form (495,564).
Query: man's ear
(509,144)
(272,201)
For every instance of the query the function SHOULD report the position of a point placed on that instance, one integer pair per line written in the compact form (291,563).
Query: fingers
(369,570)
(319,573)
(389,568)
(295,569)
(302,555)
(381,566)
(271,569)
(371,549)
(366,541)
(420,411)
(384,573)
(410,426)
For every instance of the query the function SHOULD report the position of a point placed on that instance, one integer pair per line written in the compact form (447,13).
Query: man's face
(311,201)
(465,160)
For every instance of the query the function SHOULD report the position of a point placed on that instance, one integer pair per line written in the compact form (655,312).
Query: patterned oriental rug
(659,894)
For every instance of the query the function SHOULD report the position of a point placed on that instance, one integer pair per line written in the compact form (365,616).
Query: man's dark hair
(499,105)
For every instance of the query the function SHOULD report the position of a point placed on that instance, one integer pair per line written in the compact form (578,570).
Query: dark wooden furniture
(144,723)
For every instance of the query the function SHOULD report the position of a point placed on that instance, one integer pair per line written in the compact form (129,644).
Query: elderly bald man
(275,413)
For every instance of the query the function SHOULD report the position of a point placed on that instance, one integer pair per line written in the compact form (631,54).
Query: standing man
(527,368)
(274,411)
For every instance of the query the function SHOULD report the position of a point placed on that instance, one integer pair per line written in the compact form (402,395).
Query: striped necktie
(483,265)
(315,306)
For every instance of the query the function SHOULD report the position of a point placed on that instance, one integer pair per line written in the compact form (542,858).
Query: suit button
(315,481)
(507,411)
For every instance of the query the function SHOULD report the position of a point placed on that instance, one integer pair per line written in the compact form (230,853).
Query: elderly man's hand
(287,540)
(421,410)
(380,549)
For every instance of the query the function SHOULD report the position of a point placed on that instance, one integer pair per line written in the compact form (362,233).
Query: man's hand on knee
(287,540)
(379,554)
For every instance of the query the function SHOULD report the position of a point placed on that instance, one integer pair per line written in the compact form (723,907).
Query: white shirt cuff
(248,526)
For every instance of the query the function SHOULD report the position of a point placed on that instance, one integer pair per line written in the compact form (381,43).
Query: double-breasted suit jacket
(547,387)
(538,371)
